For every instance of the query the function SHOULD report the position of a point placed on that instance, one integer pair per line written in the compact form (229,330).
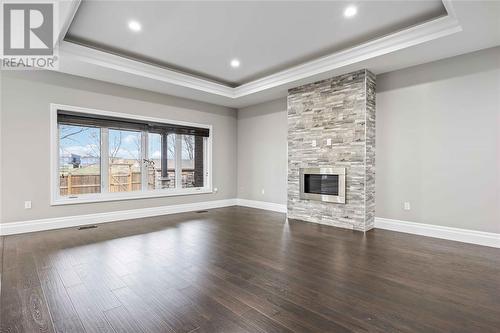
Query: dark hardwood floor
(244,270)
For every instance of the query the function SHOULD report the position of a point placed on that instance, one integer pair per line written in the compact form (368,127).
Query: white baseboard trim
(73,221)
(262,205)
(455,234)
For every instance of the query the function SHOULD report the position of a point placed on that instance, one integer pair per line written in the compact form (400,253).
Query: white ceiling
(266,36)
(276,52)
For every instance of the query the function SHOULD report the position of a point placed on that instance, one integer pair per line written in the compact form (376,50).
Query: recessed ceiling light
(134,26)
(350,11)
(235,63)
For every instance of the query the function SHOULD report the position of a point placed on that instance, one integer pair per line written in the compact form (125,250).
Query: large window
(108,156)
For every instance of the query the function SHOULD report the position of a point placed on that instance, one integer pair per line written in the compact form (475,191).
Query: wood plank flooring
(239,269)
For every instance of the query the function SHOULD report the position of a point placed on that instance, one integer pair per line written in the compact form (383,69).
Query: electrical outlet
(406,206)
(313,143)
(262,191)
(27,205)
(216,189)
(328,142)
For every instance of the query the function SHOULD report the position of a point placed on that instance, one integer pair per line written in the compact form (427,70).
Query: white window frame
(55,197)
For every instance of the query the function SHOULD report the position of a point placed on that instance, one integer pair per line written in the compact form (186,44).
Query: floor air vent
(87,227)
(201,211)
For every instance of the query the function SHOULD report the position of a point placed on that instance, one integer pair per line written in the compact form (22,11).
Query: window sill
(128,196)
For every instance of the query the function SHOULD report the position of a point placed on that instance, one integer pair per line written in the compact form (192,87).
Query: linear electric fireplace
(323,184)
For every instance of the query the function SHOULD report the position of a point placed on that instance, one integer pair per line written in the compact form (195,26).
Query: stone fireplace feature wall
(341,109)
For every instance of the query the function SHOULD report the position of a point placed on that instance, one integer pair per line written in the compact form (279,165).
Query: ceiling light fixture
(235,63)
(134,26)
(350,11)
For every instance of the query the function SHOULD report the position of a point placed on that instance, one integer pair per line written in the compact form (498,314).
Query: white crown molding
(262,205)
(448,5)
(86,61)
(425,32)
(96,58)
(67,11)
(11,228)
(436,231)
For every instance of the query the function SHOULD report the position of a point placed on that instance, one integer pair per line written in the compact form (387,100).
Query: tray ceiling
(201,38)
(280,45)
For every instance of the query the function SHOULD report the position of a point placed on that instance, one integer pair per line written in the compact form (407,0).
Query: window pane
(79,160)
(192,161)
(124,161)
(160,175)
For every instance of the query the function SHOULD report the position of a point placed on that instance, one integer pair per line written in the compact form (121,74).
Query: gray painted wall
(438,144)
(262,155)
(25,139)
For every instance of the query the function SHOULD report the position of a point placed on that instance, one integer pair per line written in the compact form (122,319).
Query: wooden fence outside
(123,182)
(79,184)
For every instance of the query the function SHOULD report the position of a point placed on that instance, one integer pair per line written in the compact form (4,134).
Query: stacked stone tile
(342,109)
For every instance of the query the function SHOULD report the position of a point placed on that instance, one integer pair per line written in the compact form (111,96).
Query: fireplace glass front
(323,184)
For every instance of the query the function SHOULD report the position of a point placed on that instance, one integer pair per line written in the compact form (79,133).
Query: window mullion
(144,157)
(206,170)
(178,161)
(104,160)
